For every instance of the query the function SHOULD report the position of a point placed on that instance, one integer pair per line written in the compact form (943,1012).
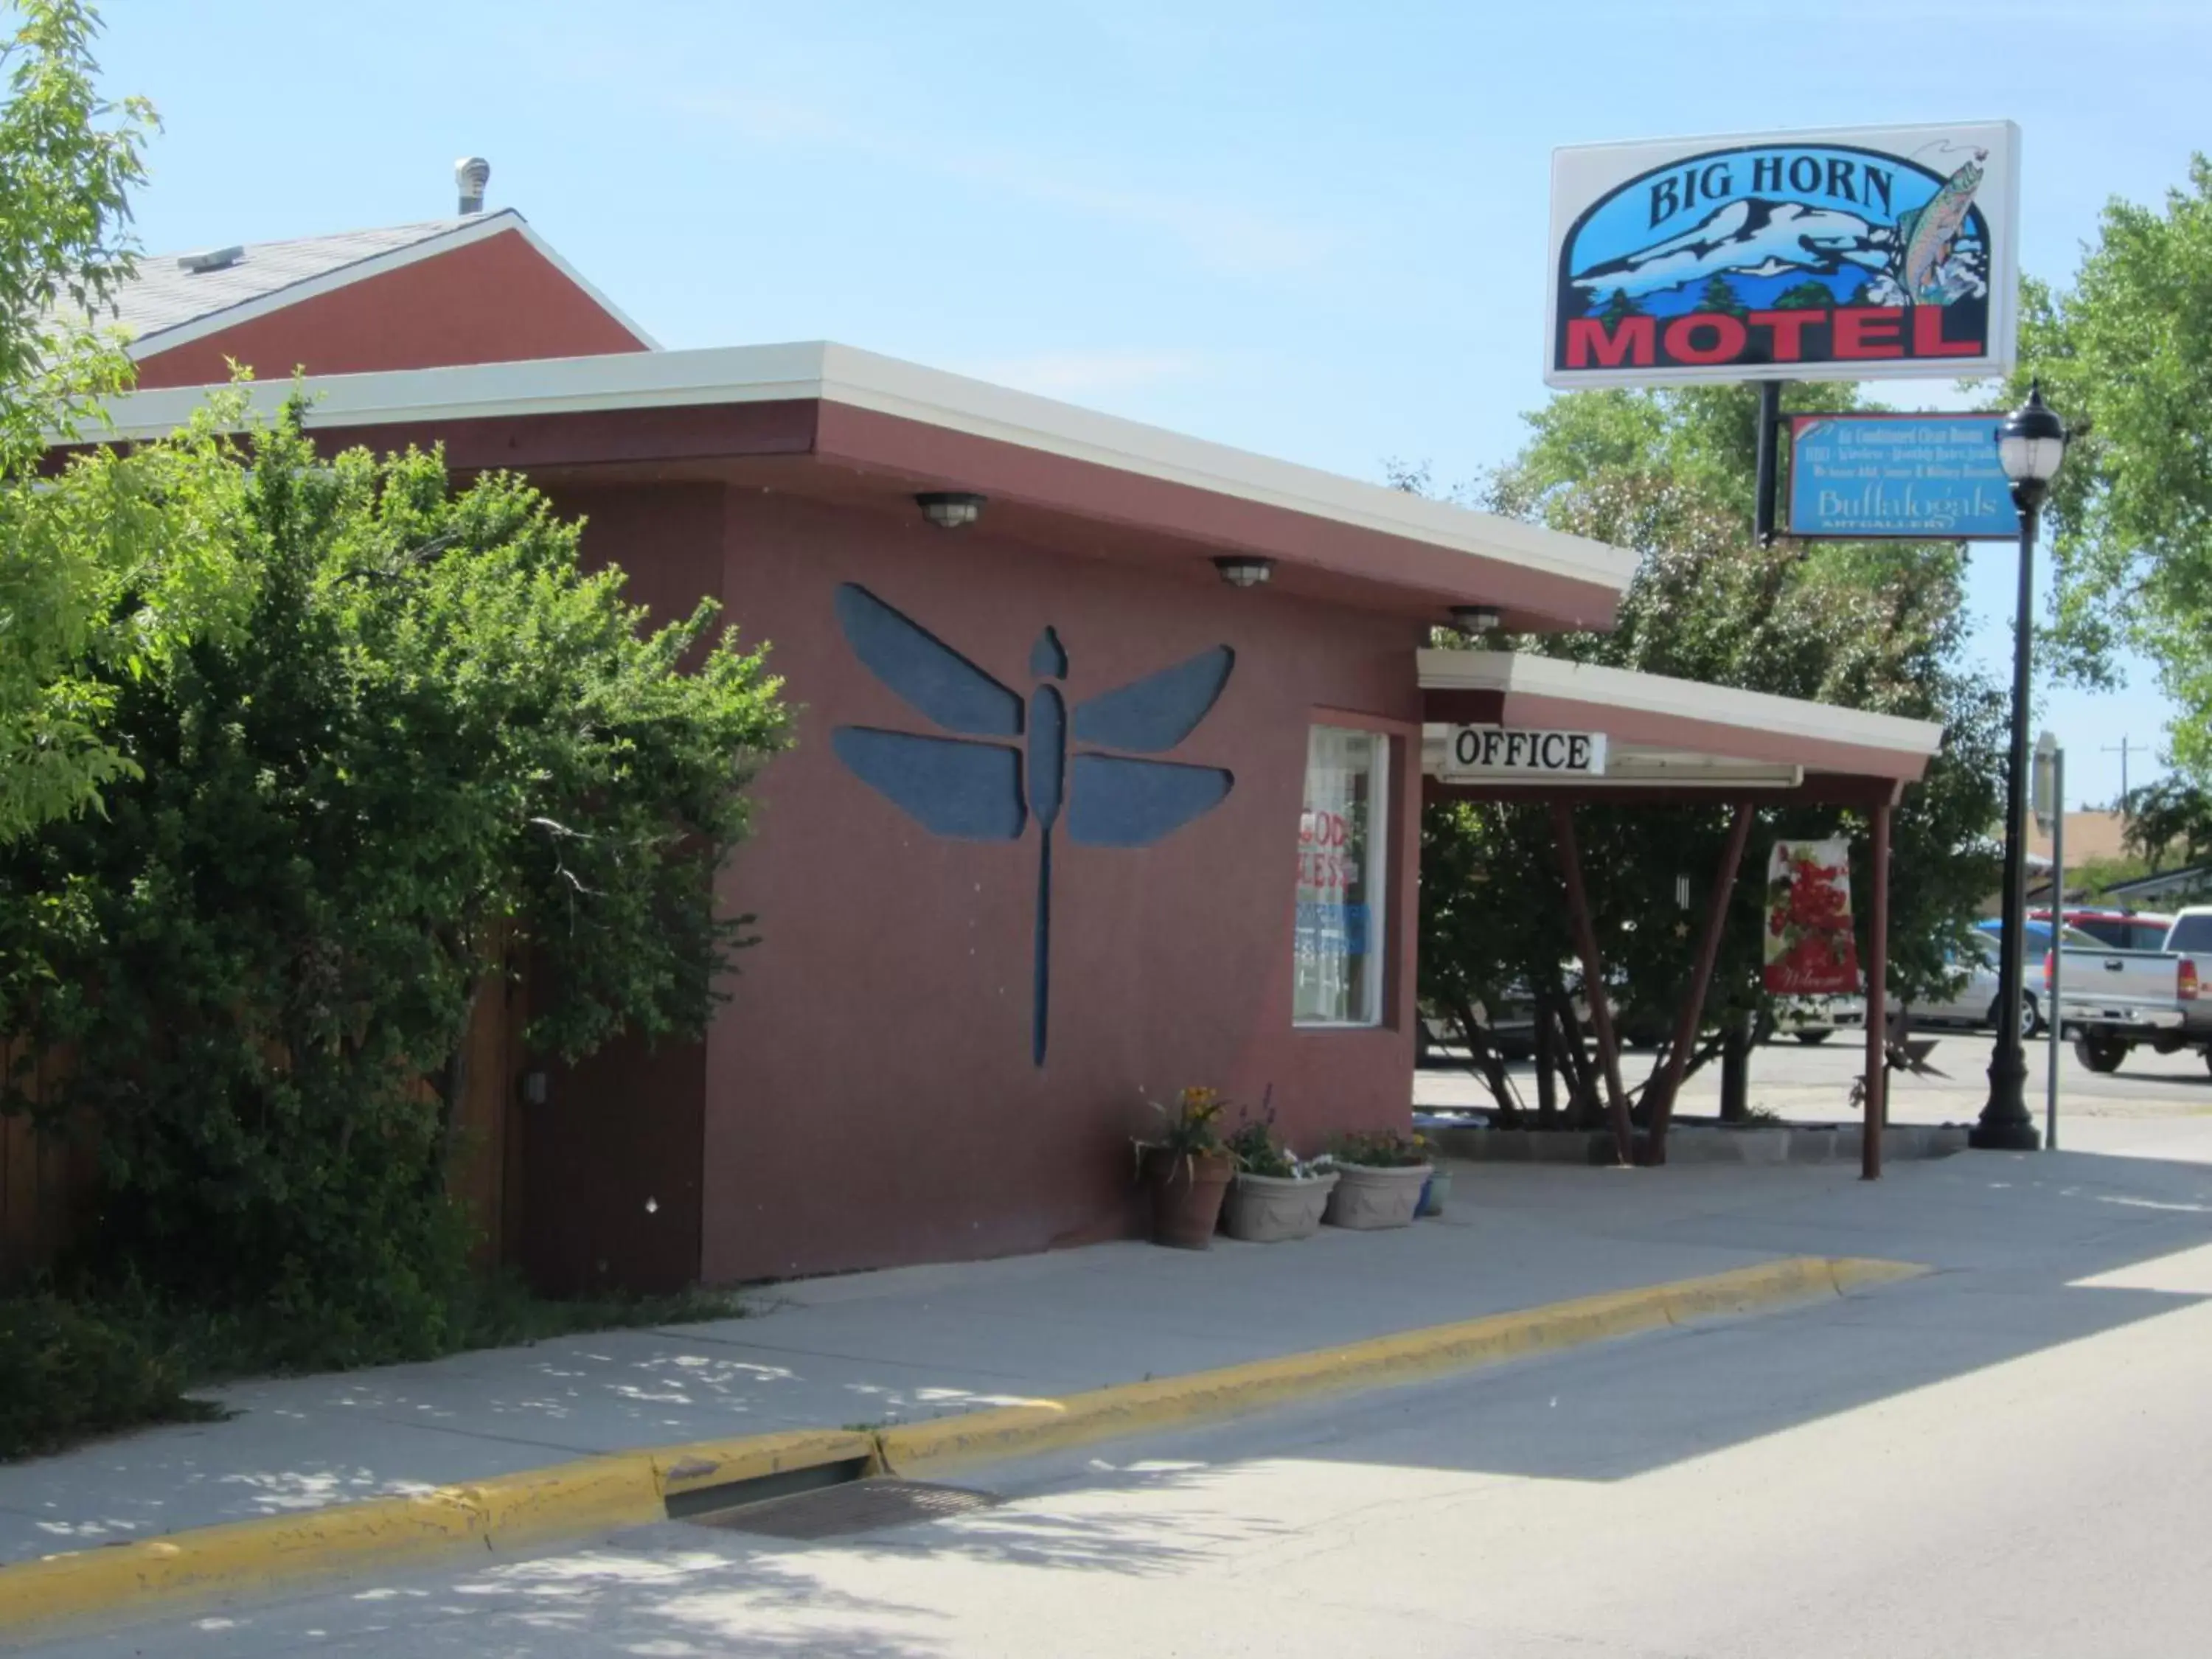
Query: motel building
(1202,677)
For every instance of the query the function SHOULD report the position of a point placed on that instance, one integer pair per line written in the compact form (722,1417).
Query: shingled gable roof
(168,305)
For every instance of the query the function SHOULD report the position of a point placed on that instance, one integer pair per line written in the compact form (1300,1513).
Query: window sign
(1342,832)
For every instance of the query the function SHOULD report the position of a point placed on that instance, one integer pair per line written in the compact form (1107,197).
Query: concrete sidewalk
(916,1343)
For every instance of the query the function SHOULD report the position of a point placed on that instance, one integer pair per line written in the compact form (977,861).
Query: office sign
(1929,477)
(1480,752)
(1855,254)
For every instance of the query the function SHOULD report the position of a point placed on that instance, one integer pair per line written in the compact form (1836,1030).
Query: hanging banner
(1846,255)
(1810,951)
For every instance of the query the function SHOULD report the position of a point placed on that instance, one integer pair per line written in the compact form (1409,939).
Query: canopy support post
(1692,1012)
(1877,1001)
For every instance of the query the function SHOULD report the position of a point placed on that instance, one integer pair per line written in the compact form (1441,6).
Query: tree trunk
(1485,1061)
(1736,1072)
(1547,1080)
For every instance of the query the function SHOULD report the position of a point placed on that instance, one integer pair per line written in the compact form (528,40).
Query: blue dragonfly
(970,787)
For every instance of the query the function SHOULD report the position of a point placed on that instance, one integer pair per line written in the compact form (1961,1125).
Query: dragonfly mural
(972,786)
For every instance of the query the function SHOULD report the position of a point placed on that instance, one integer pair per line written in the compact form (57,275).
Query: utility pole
(2122,749)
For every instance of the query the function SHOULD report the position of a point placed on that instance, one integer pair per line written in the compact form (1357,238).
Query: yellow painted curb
(633,1487)
(1127,1409)
(625,1489)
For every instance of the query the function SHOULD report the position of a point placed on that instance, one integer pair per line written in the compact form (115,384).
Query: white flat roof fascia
(861,379)
(1636,766)
(1513,671)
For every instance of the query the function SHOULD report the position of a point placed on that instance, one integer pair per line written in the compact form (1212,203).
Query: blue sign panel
(1918,477)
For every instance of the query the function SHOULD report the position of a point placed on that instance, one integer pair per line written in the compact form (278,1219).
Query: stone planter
(1268,1209)
(1435,1195)
(1366,1199)
(1186,1195)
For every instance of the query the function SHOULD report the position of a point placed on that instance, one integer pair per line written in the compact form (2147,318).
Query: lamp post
(2031,443)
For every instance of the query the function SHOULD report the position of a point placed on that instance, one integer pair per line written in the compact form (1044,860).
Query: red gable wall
(495,301)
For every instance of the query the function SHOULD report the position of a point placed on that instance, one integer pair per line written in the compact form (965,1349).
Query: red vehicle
(2124,930)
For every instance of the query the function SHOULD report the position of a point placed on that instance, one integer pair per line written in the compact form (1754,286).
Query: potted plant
(1187,1170)
(1380,1177)
(1275,1194)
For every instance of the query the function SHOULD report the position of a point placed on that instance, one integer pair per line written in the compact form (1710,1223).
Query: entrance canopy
(1668,738)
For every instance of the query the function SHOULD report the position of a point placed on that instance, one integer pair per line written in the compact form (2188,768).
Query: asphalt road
(2007,1459)
(1814,1082)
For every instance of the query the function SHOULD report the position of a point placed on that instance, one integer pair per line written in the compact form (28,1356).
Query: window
(2191,933)
(1343,833)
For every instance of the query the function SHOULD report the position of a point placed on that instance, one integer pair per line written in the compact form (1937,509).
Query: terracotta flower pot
(1367,1197)
(1269,1209)
(1186,1193)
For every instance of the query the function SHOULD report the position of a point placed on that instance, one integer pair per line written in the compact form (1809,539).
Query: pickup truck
(2110,1000)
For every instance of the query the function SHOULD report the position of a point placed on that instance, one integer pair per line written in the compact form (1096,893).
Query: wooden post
(1877,1000)
(1692,1012)
(1578,917)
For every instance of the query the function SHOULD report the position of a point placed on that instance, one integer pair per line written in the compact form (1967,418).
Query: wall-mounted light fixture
(1476,619)
(1241,571)
(949,509)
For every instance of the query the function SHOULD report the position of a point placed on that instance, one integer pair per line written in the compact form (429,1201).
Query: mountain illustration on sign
(971,787)
(1761,248)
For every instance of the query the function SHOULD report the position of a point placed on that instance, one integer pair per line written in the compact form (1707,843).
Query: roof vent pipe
(473,173)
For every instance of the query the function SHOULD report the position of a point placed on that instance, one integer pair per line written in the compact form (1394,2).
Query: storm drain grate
(857,1506)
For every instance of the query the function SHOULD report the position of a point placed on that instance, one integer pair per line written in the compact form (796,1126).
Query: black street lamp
(2031,444)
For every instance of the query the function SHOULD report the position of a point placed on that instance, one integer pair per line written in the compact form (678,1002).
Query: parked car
(2131,930)
(1512,1027)
(2114,999)
(1976,1001)
(1815,1019)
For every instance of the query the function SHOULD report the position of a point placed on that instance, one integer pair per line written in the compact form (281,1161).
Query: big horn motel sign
(1851,254)
(1844,255)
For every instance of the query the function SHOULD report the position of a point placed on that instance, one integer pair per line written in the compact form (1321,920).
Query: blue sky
(1313,230)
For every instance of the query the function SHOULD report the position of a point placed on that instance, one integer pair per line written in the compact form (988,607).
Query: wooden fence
(46,1179)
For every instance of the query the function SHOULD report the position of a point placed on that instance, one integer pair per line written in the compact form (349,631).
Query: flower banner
(1810,948)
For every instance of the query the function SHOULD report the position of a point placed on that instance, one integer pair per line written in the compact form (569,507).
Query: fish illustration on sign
(971,787)
(1926,234)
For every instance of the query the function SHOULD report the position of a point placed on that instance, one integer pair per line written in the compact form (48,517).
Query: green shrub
(66,1373)
(438,747)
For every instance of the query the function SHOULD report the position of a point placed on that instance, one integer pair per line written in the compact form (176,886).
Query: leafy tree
(434,749)
(85,587)
(1620,306)
(1719,294)
(1806,296)
(2169,823)
(1876,626)
(2125,355)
